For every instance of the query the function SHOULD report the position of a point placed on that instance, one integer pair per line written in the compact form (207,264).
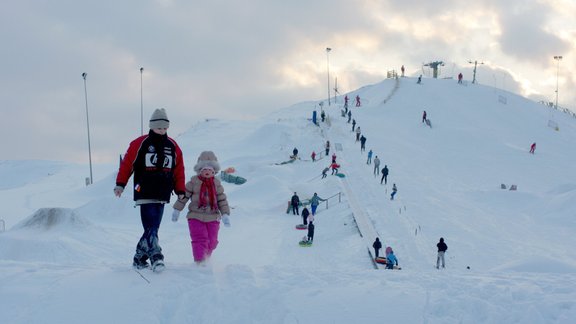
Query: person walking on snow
(391,259)
(295,202)
(334,158)
(376,165)
(313,156)
(419,79)
(460,76)
(327,148)
(533,147)
(349,115)
(324,172)
(158,167)
(305,214)
(442,247)
(353,124)
(369,161)
(394,191)
(358,104)
(377,245)
(424,116)
(310,232)
(362,143)
(358,132)
(335,166)
(294,154)
(322,115)
(384,175)
(314,202)
(402,70)
(207,208)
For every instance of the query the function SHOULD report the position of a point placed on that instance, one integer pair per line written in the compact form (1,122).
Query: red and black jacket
(158,167)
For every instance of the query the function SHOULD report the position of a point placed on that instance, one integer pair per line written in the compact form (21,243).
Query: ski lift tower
(434,66)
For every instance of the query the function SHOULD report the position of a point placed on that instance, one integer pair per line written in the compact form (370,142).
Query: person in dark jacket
(295,202)
(310,232)
(305,214)
(353,124)
(158,167)
(377,245)
(442,247)
(362,143)
(394,191)
(294,154)
(384,175)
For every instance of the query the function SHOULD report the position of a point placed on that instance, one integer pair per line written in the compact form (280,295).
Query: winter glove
(118,191)
(226,220)
(175,215)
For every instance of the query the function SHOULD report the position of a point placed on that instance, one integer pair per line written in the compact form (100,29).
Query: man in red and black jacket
(158,167)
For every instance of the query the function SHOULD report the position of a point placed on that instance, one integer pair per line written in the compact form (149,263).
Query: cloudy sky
(242,59)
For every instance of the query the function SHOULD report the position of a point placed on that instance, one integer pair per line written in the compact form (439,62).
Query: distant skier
(424,116)
(310,232)
(376,165)
(295,202)
(369,161)
(384,175)
(362,143)
(305,214)
(314,202)
(442,247)
(377,245)
(419,79)
(358,104)
(391,259)
(394,191)
(533,147)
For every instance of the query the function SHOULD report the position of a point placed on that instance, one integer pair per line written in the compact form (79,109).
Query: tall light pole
(141,105)
(558,59)
(328,49)
(475,64)
(84,75)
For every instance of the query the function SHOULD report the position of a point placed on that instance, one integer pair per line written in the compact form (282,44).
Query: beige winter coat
(204,214)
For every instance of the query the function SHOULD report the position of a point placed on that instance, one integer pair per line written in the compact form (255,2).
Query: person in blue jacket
(391,260)
(314,202)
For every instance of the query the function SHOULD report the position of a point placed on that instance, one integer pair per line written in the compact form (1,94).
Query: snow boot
(140,263)
(158,265)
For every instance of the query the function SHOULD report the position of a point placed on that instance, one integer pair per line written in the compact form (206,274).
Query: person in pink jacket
(208,207)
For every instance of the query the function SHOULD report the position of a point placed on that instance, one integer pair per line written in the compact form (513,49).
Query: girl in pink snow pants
(208,206)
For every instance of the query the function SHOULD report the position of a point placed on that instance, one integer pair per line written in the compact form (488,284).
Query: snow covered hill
(66,252)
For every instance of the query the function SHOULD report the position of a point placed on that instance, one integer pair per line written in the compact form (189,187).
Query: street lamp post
(328,49)
(84,75)
(141,105)
(558,59)
(475,64)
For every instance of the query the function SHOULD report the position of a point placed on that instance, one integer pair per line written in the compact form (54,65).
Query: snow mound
(538,265)
(53,218)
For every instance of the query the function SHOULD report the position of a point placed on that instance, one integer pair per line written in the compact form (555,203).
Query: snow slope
(66,252)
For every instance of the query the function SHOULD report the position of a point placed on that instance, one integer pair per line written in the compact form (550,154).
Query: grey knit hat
(159,119)
(207,159)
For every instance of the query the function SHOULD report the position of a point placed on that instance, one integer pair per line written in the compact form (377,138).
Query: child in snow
(158,167)
(533,147)
(335,166)
(369,161)
(442,247)
(394,191)
(208,206)
(324,175)
(305,214)
(391,259)
(310,232)
(377,245)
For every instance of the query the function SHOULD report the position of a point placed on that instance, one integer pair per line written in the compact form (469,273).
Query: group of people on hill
(392,260)
(157,164)
(307,216)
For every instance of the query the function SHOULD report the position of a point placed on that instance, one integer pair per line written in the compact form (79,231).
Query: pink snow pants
(204,238)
